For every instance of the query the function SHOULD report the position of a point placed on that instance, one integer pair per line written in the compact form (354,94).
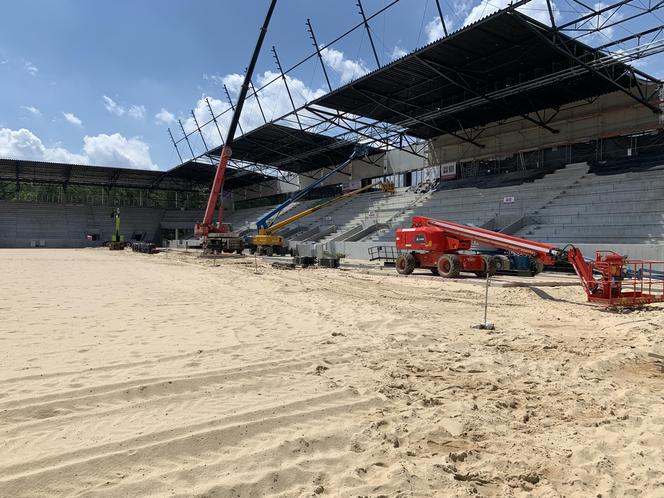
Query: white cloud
(31,69)
(164,117)
(104,150)
(215,78)
(397,53)
(3,61)
(347,69)
(23,144)
(136,111)
(112,106)
(434,29)
(72,118)
(32,110)
(273,98)
(537,9)
(233,81)
(117,150)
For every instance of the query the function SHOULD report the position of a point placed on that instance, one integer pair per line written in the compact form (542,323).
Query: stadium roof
(290,149)
(204,173)
(190,176)
(503,66)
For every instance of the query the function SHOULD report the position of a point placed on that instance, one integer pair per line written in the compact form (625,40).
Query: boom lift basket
(620,282)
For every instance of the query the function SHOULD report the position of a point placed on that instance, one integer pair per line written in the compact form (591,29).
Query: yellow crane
(267,242)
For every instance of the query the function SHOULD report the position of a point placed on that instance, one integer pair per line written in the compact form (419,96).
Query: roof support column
(193,156)
(193,115)
(320,57)
(260,107)
(366,26)
(551,17)
(230,102)
(442,19)
(214,118)
(283,77)
(170,134)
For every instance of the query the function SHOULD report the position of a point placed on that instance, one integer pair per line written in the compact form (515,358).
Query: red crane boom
(207,227)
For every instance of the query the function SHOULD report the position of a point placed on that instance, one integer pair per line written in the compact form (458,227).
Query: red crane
(219,236)
(610,279)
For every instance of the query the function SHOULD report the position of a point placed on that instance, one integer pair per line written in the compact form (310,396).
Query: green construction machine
(117,242)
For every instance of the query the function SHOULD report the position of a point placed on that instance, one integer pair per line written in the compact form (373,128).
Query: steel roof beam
(564,50)
(415,119)
(432,65)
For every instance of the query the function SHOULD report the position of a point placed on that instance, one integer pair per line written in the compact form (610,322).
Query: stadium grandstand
(507,123)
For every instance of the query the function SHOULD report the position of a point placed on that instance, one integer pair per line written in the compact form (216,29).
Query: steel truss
(607,59)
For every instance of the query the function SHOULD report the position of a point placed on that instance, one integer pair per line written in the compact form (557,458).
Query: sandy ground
(124,374)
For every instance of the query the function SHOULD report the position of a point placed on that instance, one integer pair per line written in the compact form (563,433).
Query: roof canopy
(190,176)
(204,173)
(504,66)
(290,149)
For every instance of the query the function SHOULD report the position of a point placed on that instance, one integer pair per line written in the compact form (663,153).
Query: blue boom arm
(267,220)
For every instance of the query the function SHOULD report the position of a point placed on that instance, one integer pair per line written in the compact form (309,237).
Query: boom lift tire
(537,267)
(502,263)
(490,266)
(449,266)
(405,264)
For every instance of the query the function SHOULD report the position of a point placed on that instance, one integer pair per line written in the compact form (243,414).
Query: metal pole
(366,25)
(320,57)
(230,101)
(442,19)
(193,115)
(214,118)
(486,298)
(549,7)
(193,156)
(175,145)
(283,77)
(260,107)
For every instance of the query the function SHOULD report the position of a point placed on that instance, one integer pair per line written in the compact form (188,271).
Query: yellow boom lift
(266,242)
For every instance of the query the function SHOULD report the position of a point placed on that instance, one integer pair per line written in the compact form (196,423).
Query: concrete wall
(393,161)
(265,189)
(67,225)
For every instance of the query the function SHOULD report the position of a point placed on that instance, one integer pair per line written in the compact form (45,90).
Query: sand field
(123,374)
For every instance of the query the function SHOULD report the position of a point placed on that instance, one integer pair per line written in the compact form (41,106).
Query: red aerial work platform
(610,279)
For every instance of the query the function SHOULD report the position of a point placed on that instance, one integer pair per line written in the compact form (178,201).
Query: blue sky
(84,81)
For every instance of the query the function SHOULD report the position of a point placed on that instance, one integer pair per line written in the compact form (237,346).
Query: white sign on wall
(448,171)
(508,200)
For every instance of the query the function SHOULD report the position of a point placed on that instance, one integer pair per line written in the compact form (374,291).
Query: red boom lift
(218,237)
(609,279)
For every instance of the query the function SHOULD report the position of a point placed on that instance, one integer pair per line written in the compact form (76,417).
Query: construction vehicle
(610,279)
(267,242)
(117,242)
(219,237)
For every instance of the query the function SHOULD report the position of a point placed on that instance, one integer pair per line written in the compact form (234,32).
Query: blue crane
(360,150)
